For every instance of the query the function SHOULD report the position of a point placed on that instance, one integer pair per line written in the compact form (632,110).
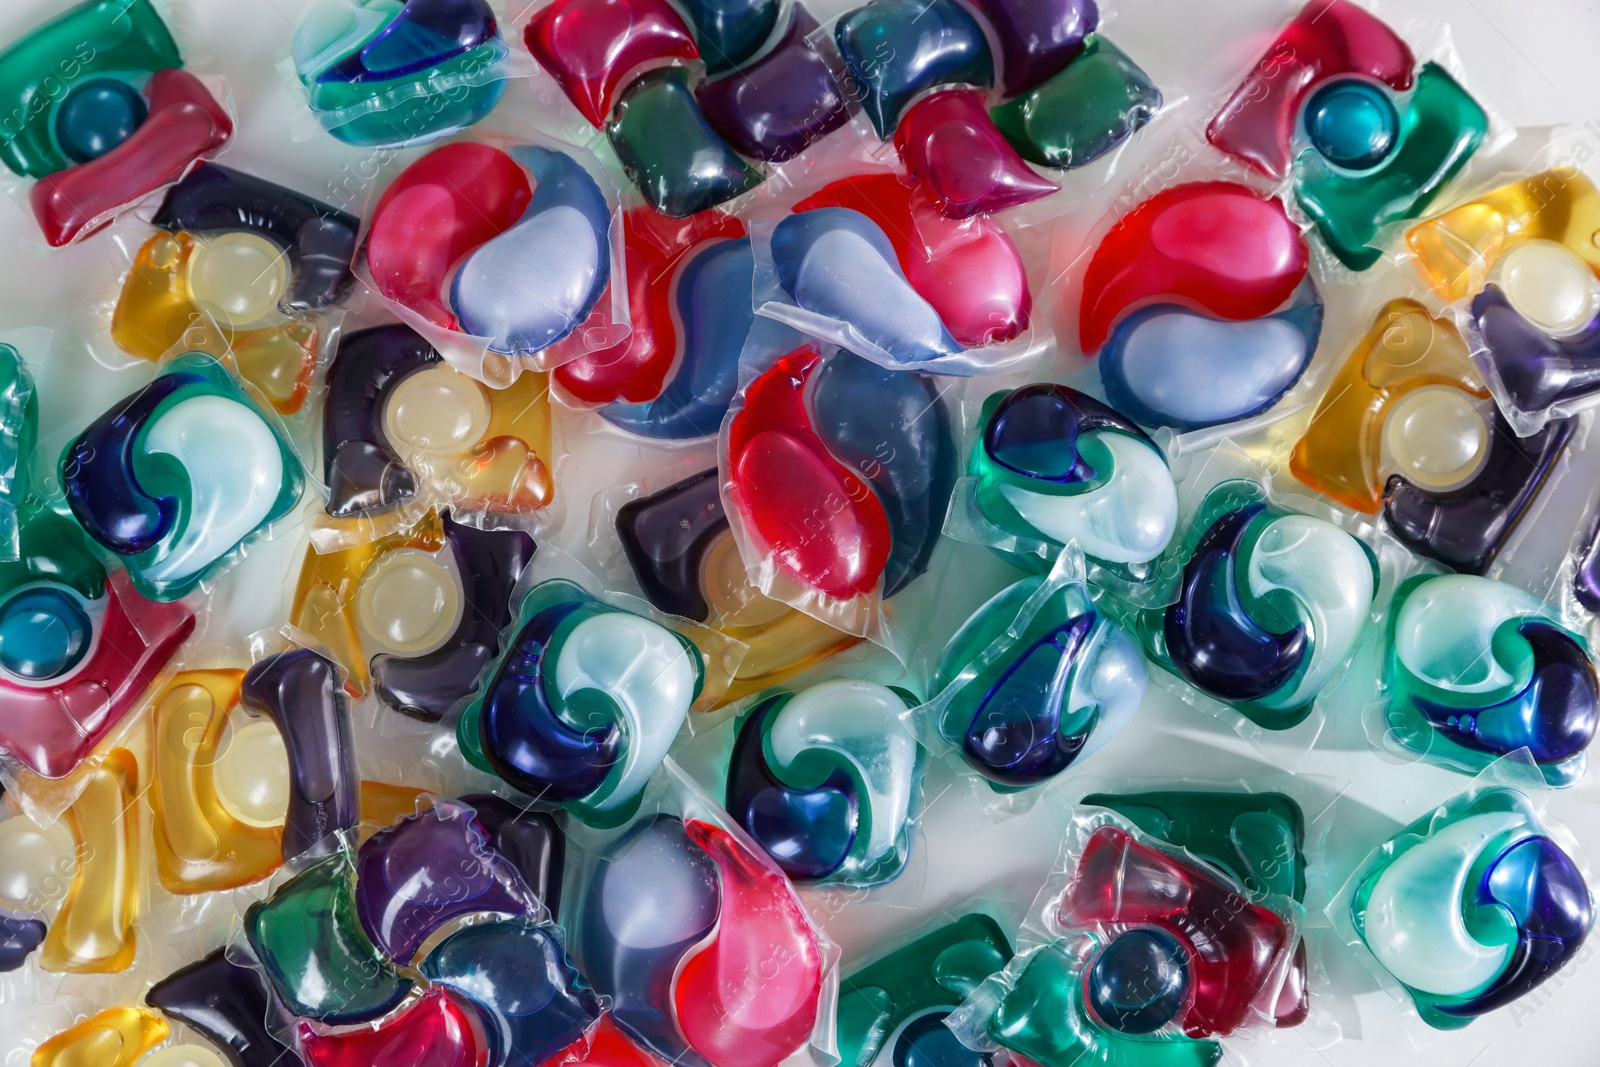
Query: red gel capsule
(822,522)
(441,207)
(1329,38)
(593,48)
(750,998)
(949,144)
(433,1032)
(1235,948)
(635,368)
(185,124)
(1215,245)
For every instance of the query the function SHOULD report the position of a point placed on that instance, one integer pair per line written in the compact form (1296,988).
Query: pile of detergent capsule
(506,785)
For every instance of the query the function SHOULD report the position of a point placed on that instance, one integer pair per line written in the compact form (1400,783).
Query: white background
(1532,62)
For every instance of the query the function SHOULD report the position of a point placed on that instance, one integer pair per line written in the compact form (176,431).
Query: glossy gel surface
(1472,906)
(1212,246)
(93,933)
(368,68)
(893,50)
(671,153)
(1055,465)
(594,47)
(1476,669)
(1349,445)
(1041,679)
(951,147)
(179,476)
(1271,604)
(225,1003)
(826,779)
(1082,112)
(583,703)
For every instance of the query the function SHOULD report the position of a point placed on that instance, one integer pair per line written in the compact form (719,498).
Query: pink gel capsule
(949,144)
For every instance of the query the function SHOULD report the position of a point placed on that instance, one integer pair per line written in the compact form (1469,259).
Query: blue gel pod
(1034,694)
(1472,906)
(729,33)
(837,264)
(713,298)
(1139,982)
(101,490)
(1168,366)
(1055,465)
(825,781)
(1213,640)
(895,49)
(1270,605)
(893,428)
(534,284)
(96,116)
(1476,669)
(776,106)
(398,74)
(591,740)
(531,999)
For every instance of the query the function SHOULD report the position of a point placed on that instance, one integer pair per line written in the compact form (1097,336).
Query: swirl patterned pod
(1472,906)
(179,476)
(101,114)
(1036,680)
(1055,465)
(1476,669)
(1201,307)
(1339,105)
(513,246)
(826,780)
(808,426)
(399,74)
(681,927)
(581,705)
(1270,605)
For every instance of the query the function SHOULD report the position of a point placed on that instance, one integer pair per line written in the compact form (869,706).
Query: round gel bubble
(1352,124)
(1435,437)
(436,410)
(409,602)
(96,116)
(1551,286)
(35,865)
(1139,983)
(238,278)
(183,1056)
(44,633)
(252,775)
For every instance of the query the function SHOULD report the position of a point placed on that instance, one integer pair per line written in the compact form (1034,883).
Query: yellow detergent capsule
(478,445)
(408,603)
(116,1037)
(159,310)
(1458,250)
(201,842)
(781,640)
(1344,448)
(93,933)
(1550,286)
